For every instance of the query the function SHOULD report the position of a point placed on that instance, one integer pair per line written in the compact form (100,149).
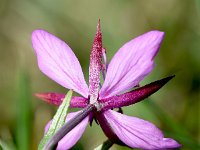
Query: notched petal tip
(37,32)
(159,34)
(34,33)
(34,36)
(158,37)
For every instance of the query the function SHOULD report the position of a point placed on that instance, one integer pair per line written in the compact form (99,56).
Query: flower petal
(131,63)
(74,135)
(138,133)
(58,62)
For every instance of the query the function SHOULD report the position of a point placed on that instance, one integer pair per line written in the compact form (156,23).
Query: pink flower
(128,67)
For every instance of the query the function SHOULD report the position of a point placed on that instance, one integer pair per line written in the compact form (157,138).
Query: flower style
(128,67)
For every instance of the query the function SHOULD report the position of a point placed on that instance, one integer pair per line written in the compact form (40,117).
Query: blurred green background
(174,109)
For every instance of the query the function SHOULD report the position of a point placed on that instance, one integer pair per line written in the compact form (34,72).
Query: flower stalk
(68,126)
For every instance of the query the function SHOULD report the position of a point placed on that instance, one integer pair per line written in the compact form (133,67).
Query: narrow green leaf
(105,146)
(58,120)
(24,111)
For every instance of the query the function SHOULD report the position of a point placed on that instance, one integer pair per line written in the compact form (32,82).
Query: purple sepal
(57,98)
(134,96)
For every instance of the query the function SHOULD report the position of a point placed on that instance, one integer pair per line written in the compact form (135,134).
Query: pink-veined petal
(138,133)
(131,63)
(58,62)
(74,135)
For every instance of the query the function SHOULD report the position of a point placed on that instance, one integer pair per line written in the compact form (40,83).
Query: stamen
(95,66)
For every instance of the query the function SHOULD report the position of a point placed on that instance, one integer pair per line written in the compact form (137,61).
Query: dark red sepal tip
(134,96)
